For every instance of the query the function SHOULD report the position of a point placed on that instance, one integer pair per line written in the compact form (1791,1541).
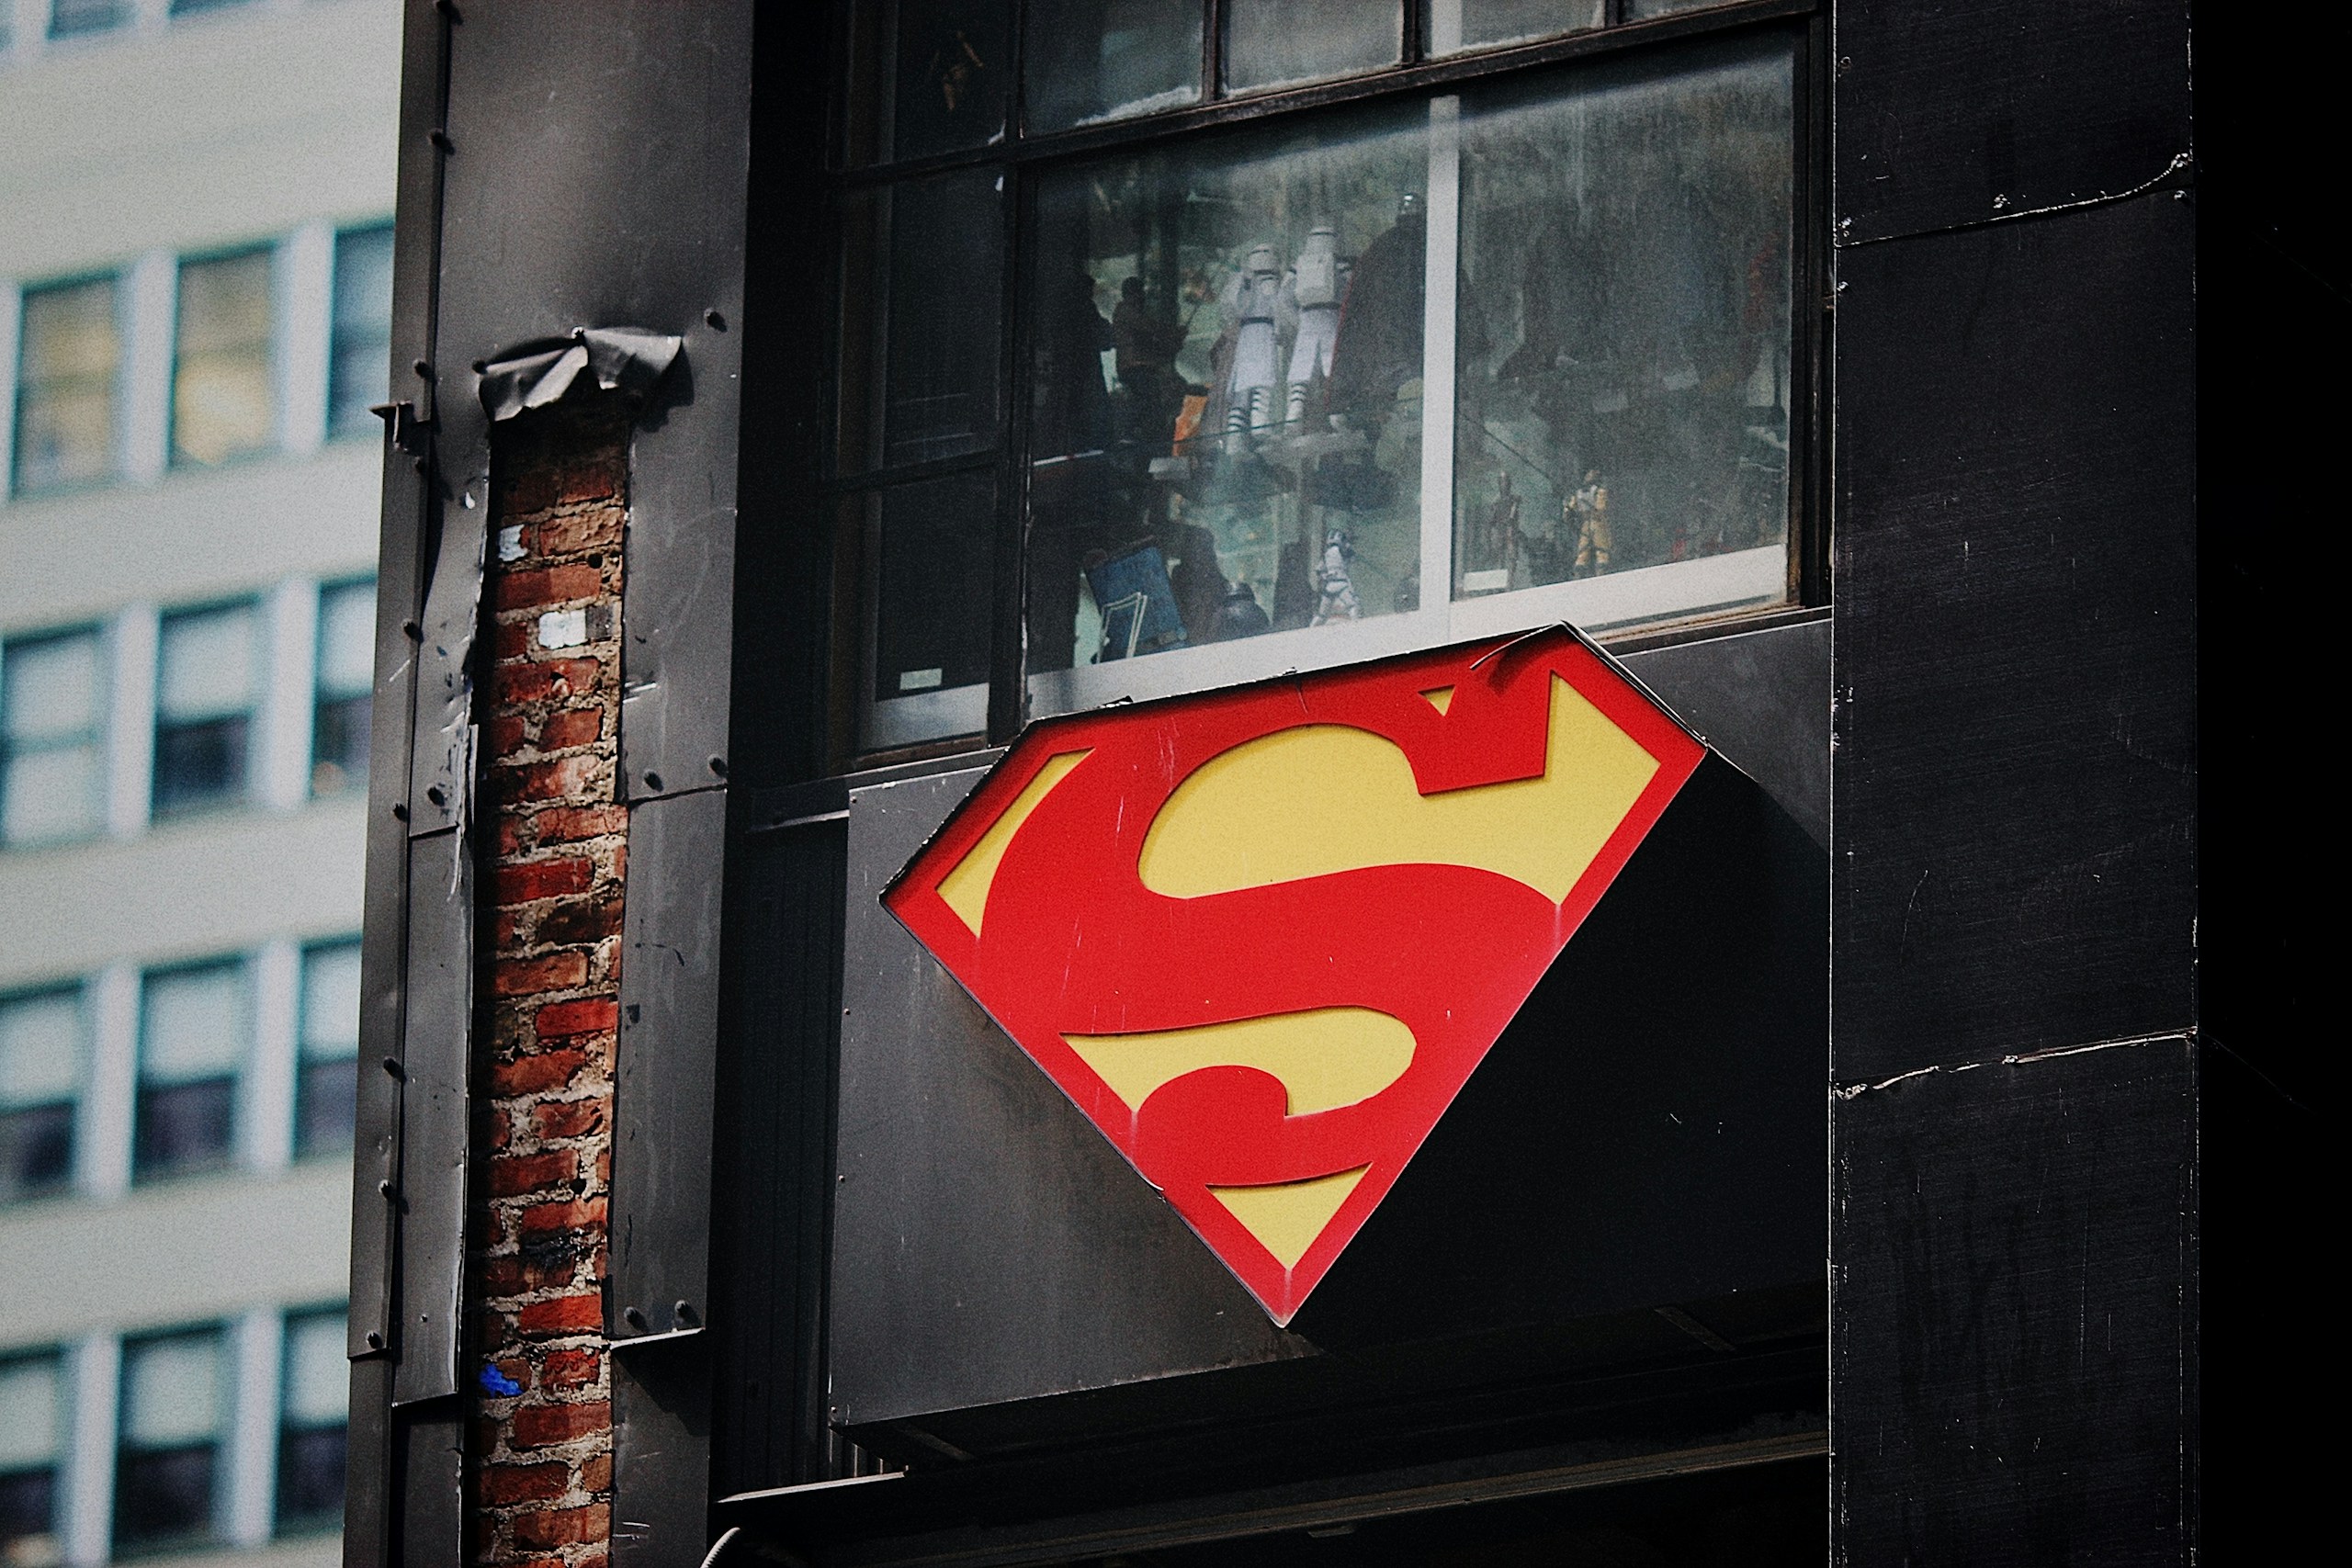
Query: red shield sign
(1261,937)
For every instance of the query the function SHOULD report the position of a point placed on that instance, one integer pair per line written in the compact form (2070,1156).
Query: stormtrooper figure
(1314,290)
(1338,602)
(1256,302)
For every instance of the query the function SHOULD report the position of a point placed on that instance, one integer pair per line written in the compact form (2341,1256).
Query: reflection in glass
(928,551)
(222,406)
(950,79)
(363,329)
(1091,61)
(1218,448)
(207,683)
(1635,10)
(1274,43)
(70,352)
(1452,26)
(935,342)
(1630,249)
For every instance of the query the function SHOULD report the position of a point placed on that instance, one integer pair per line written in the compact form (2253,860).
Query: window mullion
(1441,272)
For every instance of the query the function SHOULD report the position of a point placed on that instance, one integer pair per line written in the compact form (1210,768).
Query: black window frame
(843,495)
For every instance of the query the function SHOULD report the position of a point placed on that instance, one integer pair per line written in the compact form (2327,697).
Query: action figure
(1255,305)
(1314,291)
(1338,602)
(1585,513)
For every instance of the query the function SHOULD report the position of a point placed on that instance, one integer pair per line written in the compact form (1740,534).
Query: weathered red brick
(593,1016)
(590,528)
(589,919)
(511,1175)
(544,1425)
(572,726)
(569,1369)
(536,1073)
(507,735)
(561,1315)
(567,1118)
(564,777)
(568,1215)
(569,823)
(504,1484)
(542,879)
(563,1527)
(547,585)
(549,972)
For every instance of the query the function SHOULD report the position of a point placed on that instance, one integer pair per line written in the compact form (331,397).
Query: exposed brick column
(540,1459)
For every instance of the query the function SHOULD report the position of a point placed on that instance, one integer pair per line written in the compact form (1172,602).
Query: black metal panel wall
(2015,1310)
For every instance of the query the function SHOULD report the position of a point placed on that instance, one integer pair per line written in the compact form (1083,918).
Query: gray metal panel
(660,1454)
(431,1468)
(936,1105)
(434,1118)
(1761,700)
(2015,1325)
(667,1051)
(1952,114)
(600,152)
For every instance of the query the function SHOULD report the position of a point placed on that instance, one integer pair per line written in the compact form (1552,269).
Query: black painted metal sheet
(1961,112)
(661,1454)
(2016,643)
(435,1094)
(1761,700)
(2014,1312)
(668,1047)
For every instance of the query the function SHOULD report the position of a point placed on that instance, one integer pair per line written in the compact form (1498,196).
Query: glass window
(1299,437)
(40,1074)
(190,7)
(928,550)
(932,76)
(1453,25)
(206,684)
(312,1417)
(72,19)
(52,746)
(326,1090)
(33,1440)
(1280,43)
(221,403)
(167,1462)
(67,363)
(345,677)
(195,1033)
(363,329)
(1093,60)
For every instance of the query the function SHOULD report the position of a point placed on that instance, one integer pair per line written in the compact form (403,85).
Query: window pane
(50,744)
(1636,9)
(173,1392)
(1625,409)
(946,258)
(32,1440)
(1274,43)
(70,351)
(220,380)
(31,1413)
(318,1378)
(71,18)
(195,1024)
(1228,452)
(40,1048)
(1091,61)
(948,81)
(363,328)
(345,676)
(928,549)
(204,700)
(326,1090)
(1456,25)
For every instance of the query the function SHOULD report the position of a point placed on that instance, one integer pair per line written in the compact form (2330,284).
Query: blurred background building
(195,257)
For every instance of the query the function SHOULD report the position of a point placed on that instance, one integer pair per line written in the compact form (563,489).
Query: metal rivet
(715,321)
(375,1340)
(392,1066)
(415,633)
(385,1188)
(437,794)
(633,1317)
(424,367)
(440,138)
(683,1312)
(718,766)
(400,810)
(653,781)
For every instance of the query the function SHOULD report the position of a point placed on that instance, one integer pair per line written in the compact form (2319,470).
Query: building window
(52,751)
(194,1031)
(167,1464)
(221,403)
(312,1417)
(40,1074)
(1329,383)
(345,677)
(363,328)
(194,7)
(68,359)
(326,1092)
(207,684)
(73,18)
(32,1440)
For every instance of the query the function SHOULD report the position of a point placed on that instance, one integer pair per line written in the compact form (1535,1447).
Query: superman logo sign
(1262,937)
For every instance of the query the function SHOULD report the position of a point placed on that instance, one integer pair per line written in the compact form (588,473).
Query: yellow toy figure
(1587,511)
